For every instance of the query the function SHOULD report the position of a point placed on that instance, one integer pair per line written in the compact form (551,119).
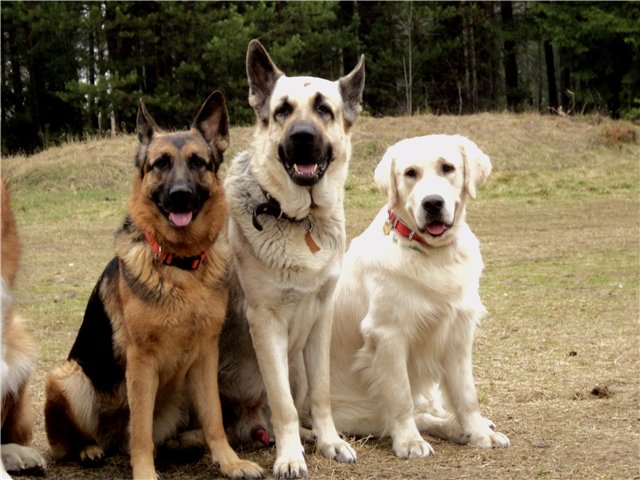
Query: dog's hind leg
(71,420)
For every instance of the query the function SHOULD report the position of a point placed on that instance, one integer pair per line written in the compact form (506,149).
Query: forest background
(76,69)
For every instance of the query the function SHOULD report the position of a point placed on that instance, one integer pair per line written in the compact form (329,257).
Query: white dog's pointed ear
(351,87)
(477,166)
(263,75)
(385,178)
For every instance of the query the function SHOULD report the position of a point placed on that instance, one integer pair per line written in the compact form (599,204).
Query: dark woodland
(75,69)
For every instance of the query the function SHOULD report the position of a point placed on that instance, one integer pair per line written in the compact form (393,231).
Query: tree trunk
(551,75)
(510,60)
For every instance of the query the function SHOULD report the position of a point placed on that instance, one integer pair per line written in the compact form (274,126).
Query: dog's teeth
(306,169)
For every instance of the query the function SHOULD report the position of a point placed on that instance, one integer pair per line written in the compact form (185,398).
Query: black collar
(270,207)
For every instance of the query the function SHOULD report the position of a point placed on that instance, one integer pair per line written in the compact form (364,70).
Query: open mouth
(302,169)
(436,229)
(181,219)
(304,174)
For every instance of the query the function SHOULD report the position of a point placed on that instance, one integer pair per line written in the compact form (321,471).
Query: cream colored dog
(287,234)
(407,304)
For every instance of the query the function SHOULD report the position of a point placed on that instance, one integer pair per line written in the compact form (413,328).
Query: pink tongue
(436,228)
(180,219)
(307,169)
(262,436)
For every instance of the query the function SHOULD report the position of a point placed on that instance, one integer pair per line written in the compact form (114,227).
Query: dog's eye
(324,111)
(448,168)
(162,163)
(196,162)
(410,172)
(283,111)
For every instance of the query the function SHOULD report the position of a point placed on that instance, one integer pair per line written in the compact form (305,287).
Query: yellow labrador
(407,304)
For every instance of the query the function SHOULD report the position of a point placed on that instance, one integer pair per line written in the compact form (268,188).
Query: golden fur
(165,320)
(18,359)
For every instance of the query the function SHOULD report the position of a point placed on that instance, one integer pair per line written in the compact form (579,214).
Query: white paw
(489,439)
(290,466)
(339,451)
(418,448)
(18,458)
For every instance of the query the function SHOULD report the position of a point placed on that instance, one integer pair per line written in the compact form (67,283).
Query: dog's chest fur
(281,252)
(438,289)
(166,308)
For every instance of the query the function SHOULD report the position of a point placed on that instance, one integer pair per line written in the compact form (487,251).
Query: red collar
(185,263)
(404,230)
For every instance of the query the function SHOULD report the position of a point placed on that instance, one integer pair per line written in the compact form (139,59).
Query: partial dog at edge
(18,361)
(407,304)
(147,349)
(287,234)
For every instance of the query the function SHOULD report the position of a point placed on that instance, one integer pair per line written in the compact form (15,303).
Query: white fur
(17,364)
(405,314)
(287,288)
(18,361)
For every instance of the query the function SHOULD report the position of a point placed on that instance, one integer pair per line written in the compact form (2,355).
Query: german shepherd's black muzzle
(180,197)
(305,154)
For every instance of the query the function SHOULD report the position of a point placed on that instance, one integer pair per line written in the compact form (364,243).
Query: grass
(559,224)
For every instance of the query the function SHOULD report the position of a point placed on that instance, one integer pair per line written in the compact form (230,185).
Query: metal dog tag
(386,228)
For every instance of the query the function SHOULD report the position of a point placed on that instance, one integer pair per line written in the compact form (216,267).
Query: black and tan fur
(147,350)
(18,361)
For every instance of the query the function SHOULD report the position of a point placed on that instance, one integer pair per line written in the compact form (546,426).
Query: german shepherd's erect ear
(263,75)
(351,87)
(145,124)
(212,121)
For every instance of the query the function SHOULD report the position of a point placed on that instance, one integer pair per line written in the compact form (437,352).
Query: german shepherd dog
(147,349)
(287,234)
(18,360)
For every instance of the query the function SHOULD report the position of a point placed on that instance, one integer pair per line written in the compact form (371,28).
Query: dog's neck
(269,207)
(401,228)
(184,263)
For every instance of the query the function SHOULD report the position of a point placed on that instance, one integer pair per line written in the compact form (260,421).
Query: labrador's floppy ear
(385,177)
(477,165)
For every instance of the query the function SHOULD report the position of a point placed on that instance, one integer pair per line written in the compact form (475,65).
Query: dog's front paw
(489,439)
(92,456)
(23,460)
(339,451)
(417,448)
(482,434)
(290,466)
(243,469)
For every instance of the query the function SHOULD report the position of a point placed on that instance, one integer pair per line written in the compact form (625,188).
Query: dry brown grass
(556,362)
